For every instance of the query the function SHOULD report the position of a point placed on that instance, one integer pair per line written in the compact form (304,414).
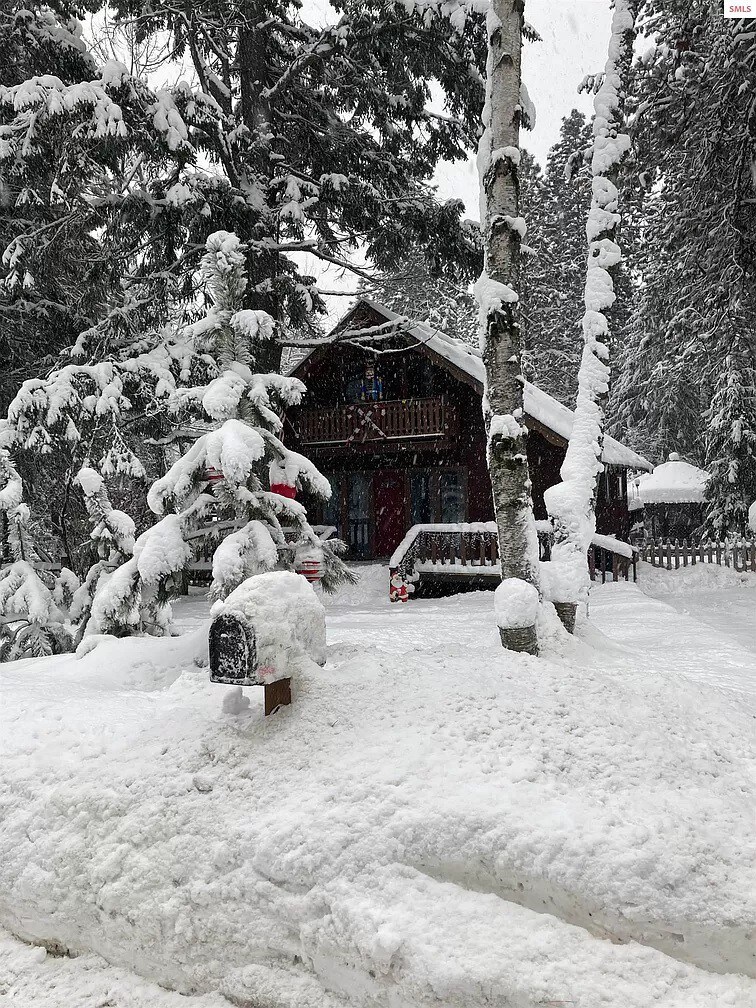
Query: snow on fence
(471,549)
(739,554)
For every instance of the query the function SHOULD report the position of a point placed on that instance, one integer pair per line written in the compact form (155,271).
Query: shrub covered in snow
(113,537)
(31,623)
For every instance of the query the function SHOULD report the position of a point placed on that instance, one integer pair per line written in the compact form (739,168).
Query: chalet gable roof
(542,411)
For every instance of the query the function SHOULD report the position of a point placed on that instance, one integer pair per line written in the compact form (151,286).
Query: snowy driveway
(433,822)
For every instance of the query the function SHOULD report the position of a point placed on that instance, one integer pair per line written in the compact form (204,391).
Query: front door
(389,501)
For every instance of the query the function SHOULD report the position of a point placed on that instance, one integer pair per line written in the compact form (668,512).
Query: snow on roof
(673,482)
(538,404)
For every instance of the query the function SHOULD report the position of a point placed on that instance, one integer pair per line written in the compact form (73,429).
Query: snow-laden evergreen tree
(442,301)
(696,316)
(663,382)
(731,443)
(266,136)
(555,205)
(31,624)
(293,156)
(52,270)
(113,539)
(239,471)
(517,597)
(571,504)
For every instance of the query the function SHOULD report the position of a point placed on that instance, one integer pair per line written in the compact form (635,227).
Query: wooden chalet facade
(400,435)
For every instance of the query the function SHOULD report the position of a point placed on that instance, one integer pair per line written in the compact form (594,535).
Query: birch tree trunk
(496,291)
(572,503)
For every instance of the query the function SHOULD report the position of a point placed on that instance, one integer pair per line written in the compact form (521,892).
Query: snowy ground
(433,822)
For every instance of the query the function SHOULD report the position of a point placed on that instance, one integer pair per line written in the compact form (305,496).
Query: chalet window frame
(434,491)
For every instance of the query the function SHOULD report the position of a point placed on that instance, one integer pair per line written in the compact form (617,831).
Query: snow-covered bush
(113,537)
(64,590)
(31,623)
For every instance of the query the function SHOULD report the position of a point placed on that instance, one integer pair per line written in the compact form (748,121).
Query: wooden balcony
(431,419)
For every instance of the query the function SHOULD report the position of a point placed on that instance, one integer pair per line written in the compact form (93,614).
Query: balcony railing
(429,418)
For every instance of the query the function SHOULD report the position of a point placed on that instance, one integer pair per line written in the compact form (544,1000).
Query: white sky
(575,36)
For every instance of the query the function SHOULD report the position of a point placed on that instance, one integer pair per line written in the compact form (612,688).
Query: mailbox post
(233,660)
(272,626)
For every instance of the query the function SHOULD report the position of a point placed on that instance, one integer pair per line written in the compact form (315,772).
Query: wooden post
(669,556)
(277,694)
(685,552)
(753,555)
(635,566)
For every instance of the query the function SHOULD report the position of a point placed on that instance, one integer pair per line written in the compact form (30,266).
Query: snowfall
(432,822)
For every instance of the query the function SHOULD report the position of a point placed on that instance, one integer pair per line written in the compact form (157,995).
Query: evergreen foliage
(113,538)
(555,204)
(241,456)
(31,624)
(689,360)
(298,139)
(52,271)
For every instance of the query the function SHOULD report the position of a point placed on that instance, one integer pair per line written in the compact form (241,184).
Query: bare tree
(496,291)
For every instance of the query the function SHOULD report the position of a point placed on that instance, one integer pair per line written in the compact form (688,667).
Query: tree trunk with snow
(496,291)
(572,503)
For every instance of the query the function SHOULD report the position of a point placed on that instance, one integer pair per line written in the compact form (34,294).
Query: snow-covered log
(571,503)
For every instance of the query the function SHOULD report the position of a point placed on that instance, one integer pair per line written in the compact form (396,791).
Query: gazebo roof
(673,482)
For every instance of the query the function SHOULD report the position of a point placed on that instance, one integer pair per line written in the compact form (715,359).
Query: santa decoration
(398,590)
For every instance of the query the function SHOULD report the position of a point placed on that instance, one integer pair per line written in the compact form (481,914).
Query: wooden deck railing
(376,421)
(472,550)
(740,555)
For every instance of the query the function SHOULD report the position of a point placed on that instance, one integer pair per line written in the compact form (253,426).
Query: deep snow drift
(432,822)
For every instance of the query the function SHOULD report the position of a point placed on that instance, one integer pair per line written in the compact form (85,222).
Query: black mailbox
(233,652)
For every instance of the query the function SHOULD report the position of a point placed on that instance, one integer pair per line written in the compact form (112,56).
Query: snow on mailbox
(267,630)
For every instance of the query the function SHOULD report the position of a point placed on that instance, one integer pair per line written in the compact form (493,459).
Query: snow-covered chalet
(400,435)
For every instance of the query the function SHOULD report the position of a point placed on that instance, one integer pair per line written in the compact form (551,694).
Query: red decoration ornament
(284,490)
(310,570)
(213,475)
(310,567)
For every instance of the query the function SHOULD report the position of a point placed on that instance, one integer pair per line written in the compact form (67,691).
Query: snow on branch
(571,503)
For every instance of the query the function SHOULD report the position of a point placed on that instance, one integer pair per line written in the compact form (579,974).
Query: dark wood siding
(400,377)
